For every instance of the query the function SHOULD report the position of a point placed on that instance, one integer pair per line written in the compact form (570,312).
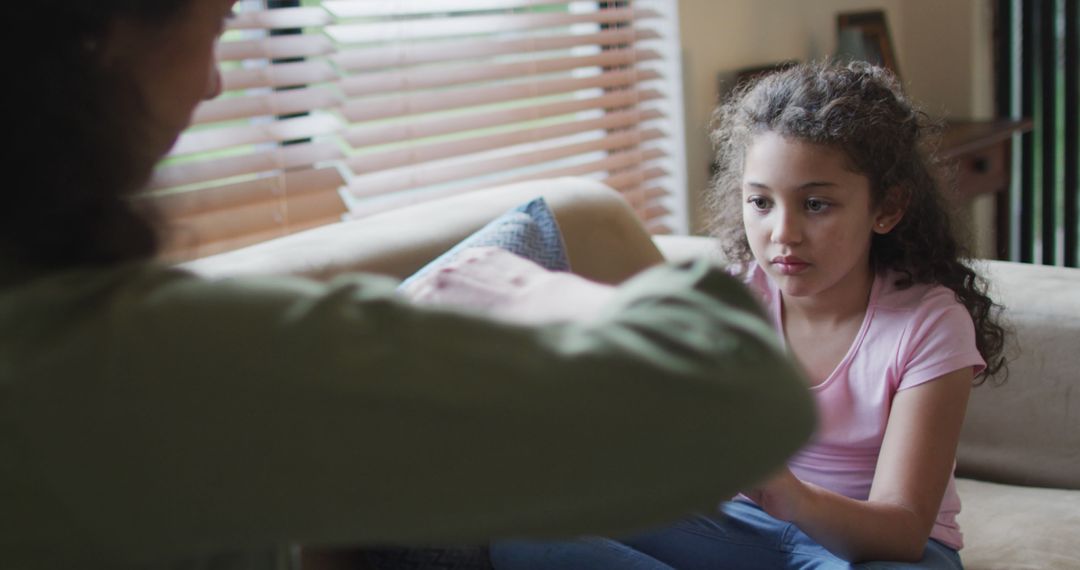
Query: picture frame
(864,36)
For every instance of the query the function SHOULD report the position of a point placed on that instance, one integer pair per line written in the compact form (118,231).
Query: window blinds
(345,108)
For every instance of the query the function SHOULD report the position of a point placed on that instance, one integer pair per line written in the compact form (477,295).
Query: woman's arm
(177,415)
(913,469)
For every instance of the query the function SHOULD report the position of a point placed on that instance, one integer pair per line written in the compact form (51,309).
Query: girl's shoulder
(896,294)
(927,329)
(754,278)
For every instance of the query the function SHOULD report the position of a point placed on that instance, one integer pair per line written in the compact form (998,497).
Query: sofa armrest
(605,241)
(1027,430)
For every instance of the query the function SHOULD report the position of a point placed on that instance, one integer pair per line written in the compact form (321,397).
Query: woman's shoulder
(148,286)
(267,291)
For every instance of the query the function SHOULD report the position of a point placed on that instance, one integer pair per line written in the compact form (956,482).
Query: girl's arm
(913,469)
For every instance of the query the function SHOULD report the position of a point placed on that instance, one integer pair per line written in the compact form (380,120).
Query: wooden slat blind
(367,105)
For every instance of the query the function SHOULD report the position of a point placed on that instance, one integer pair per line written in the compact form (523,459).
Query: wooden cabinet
(978,159)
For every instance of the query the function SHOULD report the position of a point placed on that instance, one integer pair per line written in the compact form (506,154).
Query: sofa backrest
(1026,430)
(604,239)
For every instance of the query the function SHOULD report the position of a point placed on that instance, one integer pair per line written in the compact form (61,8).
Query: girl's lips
(790,265)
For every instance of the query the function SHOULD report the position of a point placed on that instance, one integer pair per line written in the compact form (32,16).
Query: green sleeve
(172,413)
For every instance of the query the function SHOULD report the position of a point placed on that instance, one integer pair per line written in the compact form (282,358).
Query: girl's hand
(503,285)
(783,496)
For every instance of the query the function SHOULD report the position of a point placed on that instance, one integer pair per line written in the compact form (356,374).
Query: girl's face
(174,64)
(808,217)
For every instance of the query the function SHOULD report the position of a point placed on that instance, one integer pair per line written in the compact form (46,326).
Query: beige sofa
(1019,458)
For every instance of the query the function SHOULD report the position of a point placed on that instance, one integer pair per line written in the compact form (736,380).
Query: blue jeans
(743,537)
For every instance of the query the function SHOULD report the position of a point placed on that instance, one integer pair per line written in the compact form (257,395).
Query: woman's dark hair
(78,143)
(860,110)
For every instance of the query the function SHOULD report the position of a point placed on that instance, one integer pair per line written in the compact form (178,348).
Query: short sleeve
(940,339)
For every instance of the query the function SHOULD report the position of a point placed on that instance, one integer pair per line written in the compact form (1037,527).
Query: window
(345,108)
(1037,66)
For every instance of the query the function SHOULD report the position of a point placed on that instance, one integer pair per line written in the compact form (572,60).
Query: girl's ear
(891,211)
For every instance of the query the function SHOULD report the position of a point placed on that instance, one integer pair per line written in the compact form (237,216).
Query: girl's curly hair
(860,110)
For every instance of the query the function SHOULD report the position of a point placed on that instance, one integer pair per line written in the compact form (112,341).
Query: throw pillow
(530,231)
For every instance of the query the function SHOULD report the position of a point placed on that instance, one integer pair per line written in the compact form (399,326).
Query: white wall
(943,51)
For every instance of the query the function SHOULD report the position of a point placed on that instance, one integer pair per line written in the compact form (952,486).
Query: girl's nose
(788,228)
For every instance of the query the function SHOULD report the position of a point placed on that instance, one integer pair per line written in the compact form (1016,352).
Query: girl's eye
(816,205)
(758,202)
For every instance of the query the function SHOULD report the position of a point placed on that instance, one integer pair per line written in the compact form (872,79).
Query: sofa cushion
(1009,527)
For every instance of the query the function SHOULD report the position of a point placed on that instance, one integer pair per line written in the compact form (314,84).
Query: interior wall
(943,50)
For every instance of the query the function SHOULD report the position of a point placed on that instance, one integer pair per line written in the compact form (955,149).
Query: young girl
(826,197)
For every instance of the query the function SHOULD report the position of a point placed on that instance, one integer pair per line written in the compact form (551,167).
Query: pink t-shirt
(908,336)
